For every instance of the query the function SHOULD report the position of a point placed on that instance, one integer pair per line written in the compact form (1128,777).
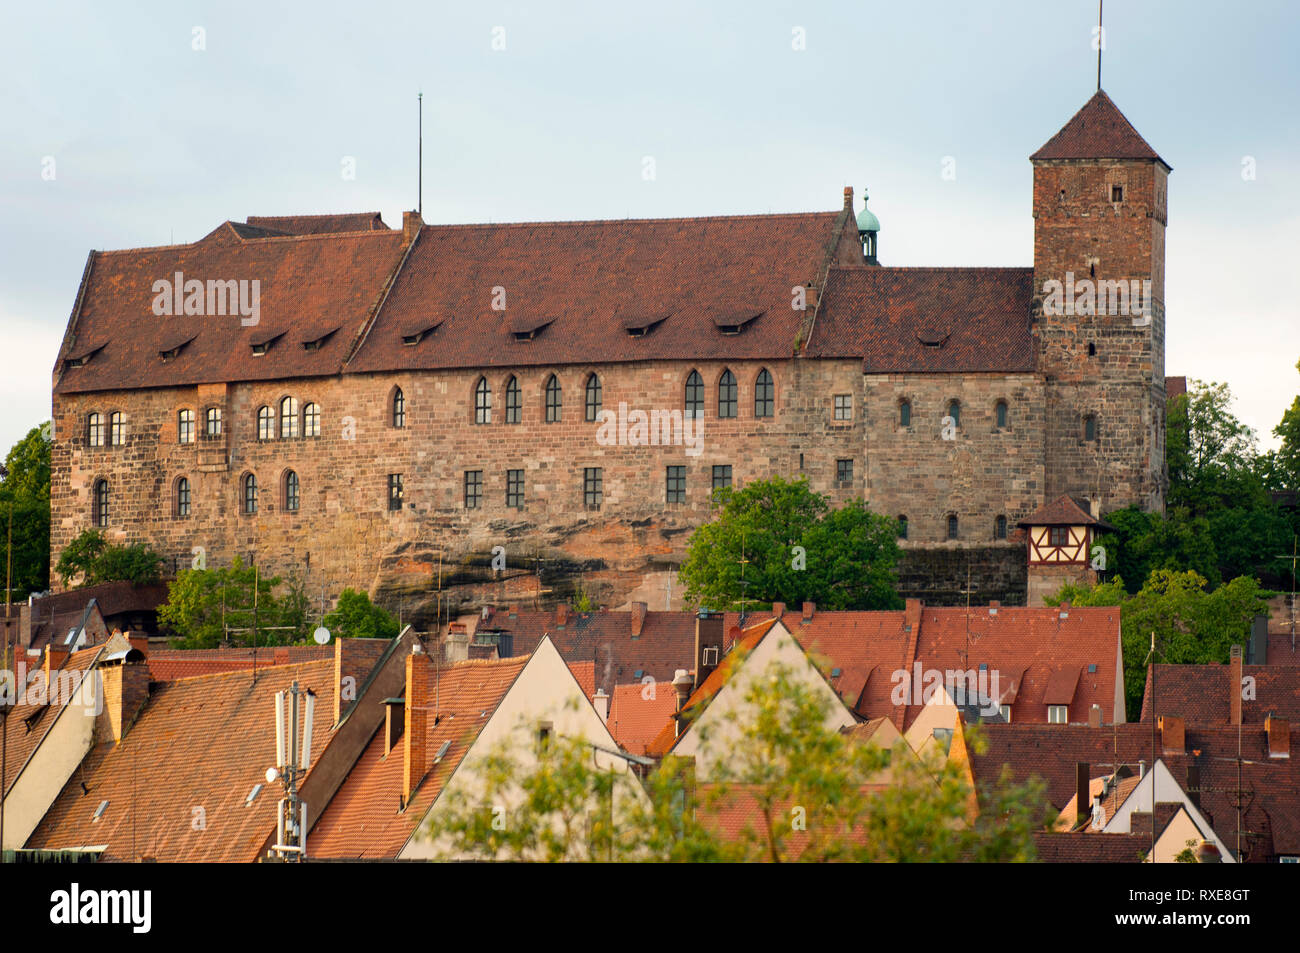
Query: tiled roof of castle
(319,224)
(198,743)
(1097,131)
(365,819)
(313,288)
(582,283)
(927,320)
(1201,694)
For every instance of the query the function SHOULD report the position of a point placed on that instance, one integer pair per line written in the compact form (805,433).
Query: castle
(398,410)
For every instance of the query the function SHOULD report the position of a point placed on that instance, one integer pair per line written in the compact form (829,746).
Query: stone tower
(1099,316)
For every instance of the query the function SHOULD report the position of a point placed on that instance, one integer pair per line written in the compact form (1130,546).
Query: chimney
(562,614)
(912,615)
(1082,792)
(140,642)
(54,659)
(638,619)
(1142,770)
(353,660)
(848,197)
(682,686)
(1094,507)
(778,609)
(1208,853)
(125,686)
(411,223)
(808,609)
(1171,734)
(1234,686)
(25,625)
(601,703)
(415,747)
(1094,716)
(394,720)
(1193,787)
(456,648)
(1279,736)
(709,630)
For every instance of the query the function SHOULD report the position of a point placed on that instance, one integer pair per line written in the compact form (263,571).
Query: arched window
(1000,528)
(182,497)
(248,489)
(311,420)
(593,397)
(764,395)
(399,408)
(1000,414)
(265,424)
(290,491)
(952,525)
(514,401)
(954,411)
(185,426)
(553,399)
(213,422)
(727,395)
(99,504)
(904,413)
(288,418)
(694,396)
(902,527)
(95,430)
(116,429)
(1090,428)
(482,402)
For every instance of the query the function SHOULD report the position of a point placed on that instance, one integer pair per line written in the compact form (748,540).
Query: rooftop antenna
(743,584)
(292,760)
(420,175)
(1101,43)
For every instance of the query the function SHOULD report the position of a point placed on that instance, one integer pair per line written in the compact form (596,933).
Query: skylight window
(252,795)
(99,811)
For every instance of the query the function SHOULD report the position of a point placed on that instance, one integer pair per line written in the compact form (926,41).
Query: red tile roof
(637,713)
(167,665)
(1175,387)
(177,785)
(1201,694)
(310,286)
(1062,511)
(1080,847)
(977,319)
(319,224)
(1097,131)
(365,819)
(26,725)
(585,673)
(585,279)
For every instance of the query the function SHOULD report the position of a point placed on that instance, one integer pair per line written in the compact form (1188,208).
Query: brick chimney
(600,701)
(778,609)
(562,614)
(809,609)
(1171,734)
(638,618)
(411,223)
(848,197)
(415,745)
(1279,736)
(682,685)
(140,642)
(126,688)
(709,630)
(1094,716)
(1082,792)
(1234,686)
(456,648)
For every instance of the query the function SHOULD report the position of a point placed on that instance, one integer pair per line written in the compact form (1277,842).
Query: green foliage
(200,601)
(25,504)
(1283,465)
(95,560)
(581,599)
(356,617)
(795,548)
(1191,624)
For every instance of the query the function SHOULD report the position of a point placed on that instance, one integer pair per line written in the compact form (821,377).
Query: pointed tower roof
(1098,131)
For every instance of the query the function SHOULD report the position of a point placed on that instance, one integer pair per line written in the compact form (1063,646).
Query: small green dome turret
(867,221)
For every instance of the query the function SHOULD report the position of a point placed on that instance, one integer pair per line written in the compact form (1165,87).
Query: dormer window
(82,358)
(172,349)
(638,326)
(527,327)
(263,344)
(733,322)
(316,343)
(417,333)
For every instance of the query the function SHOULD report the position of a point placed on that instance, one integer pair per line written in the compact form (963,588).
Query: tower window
(553,400)
(593,486)
(1092,349)
(1000,528)
(514,401)
(843,406)
(954,411)
(515,488)
(676,489)
(1000,414)
(311,420)
(291,491)
(902,527)
(185,426)
(265,423)
(764,394)
(727,395)
(116,429)
(844,472)
(1089,428)
(1117,193)
(288,418)
(250,494)
(212,424)
(482,402)
(594,398)
(952,526)
(182,498)
(99,504)
(904,413)
(399,408)
(473,489)
(395,492)
(694,396)
(95,430)
(721,476)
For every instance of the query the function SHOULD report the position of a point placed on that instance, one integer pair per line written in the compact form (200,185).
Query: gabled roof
(312,283)
(1081,847)
(1097,131)
(1201,694)
(198,744)
(927,320)
(366,818)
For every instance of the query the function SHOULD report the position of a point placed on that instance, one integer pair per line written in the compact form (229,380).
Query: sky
(136,124)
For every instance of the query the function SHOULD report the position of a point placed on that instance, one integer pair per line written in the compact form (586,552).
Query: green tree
(25,502)
(794,547)
(356,617)
(95,560)
(1284,464)
(1190,623)
(201,601)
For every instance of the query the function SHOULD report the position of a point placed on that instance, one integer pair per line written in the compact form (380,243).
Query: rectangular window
(473,489)
(843,472)
(721,477)
(1117,193)
(96,430)
(593,486)
(676,485)
(1058,536)
(394,491)
(843,406)
(1056,715)
(515,488)
(185,426)
(212,422)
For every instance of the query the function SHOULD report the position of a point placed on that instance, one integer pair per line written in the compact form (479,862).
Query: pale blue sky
(155,141)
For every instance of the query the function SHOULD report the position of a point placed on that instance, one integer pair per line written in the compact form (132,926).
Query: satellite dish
(272,775)
(321,635)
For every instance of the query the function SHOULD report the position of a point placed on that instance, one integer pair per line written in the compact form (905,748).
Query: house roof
(927,320)
(26,725)
(1097,131)
(319,224)
(1201,694)
(196,751)
(583,280)
(366,819)
(1270,821)
(1063,511)
(166,665)
(1081,847)
(637,713)
(1175,387)
(309,285)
